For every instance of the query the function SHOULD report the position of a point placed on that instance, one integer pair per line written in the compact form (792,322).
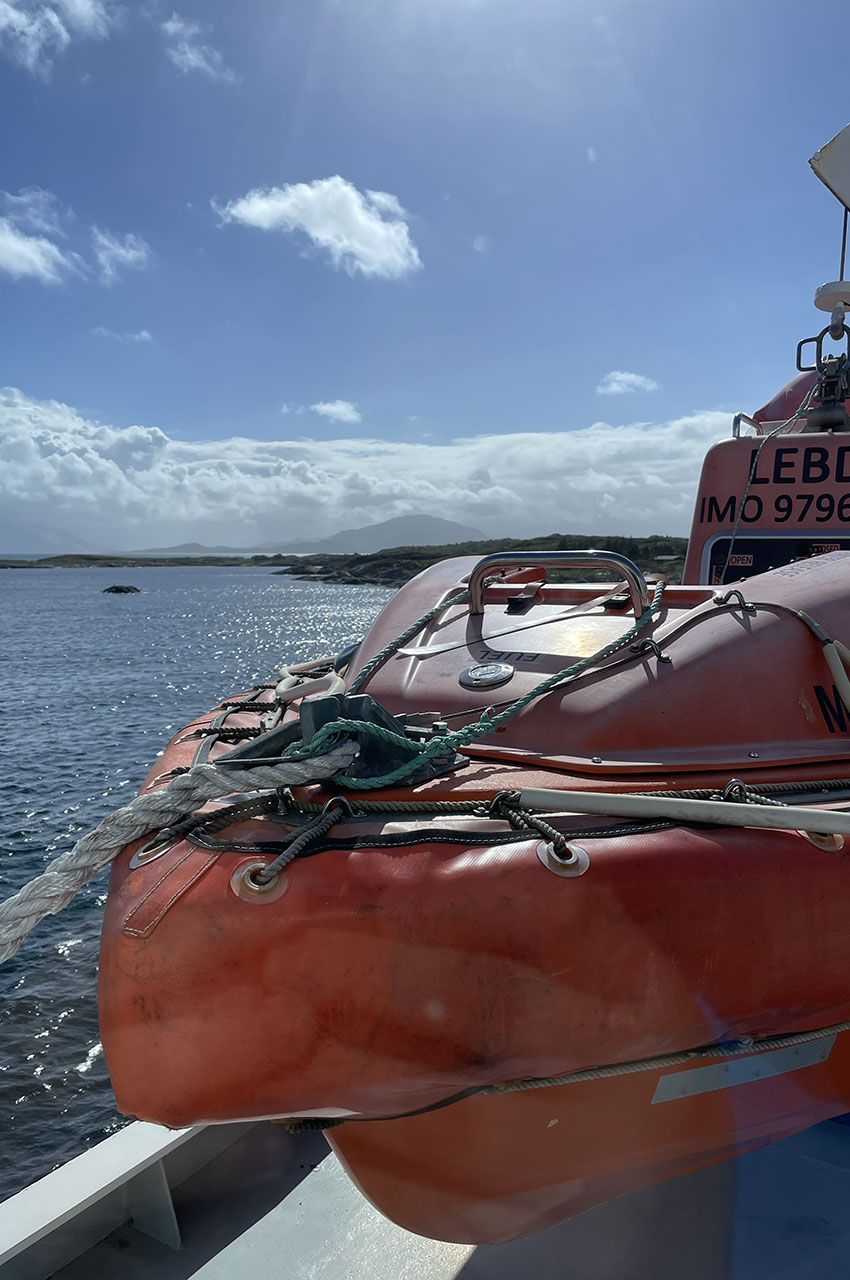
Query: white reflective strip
(756,1066)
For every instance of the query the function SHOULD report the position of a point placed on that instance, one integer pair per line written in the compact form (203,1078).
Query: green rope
(389,649)
(448,743)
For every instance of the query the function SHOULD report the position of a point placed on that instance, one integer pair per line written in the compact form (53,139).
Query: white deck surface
(276,1206)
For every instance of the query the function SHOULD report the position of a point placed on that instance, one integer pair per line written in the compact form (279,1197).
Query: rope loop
(168,806)
(408,634)
(304,840)
(448,743)
(329,754)
(506,805)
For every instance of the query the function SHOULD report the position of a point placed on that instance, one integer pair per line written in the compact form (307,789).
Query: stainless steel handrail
(559,559)
(750,422)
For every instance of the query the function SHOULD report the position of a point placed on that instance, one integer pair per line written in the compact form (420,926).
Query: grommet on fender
(151,850)
(575,863)
(829,840)
(245,885)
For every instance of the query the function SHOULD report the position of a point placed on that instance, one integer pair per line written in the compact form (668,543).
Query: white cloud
(32,222)
(187,52)
(361,232)
(142,335)
(135,486)
(387,203)
(90,17)
(591,155)
(337,410)
(33,33)
(34,209)
(114,253)
(619,383)
(23,253)
(481,244)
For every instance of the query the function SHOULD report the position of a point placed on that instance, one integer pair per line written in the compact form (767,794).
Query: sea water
(92,687)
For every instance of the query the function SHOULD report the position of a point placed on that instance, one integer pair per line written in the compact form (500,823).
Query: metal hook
(341,801)
(650,646)
(735,594)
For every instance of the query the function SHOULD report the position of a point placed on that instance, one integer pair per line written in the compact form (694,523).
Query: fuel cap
(486,675)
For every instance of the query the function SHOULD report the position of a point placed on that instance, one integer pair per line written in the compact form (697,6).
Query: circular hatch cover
(486,675)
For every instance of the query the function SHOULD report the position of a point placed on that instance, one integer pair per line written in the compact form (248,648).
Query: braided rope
(389,649)
(320,827)
(233,733)
(507,805)
(49,892)
(470,808)
(448,743)
(746,1047)
(323,757)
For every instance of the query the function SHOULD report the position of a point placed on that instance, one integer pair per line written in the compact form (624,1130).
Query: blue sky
(215,331)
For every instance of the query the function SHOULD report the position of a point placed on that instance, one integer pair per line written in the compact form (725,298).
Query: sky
(269,270)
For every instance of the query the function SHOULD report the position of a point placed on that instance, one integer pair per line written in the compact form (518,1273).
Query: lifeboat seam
(442,836)
(728,1049)
(149,928)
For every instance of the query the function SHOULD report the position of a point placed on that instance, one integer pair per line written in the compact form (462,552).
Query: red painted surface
(494,1168)
(384,980)
(787,401)
(781,499)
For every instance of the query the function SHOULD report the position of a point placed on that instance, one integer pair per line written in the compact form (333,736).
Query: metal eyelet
(149,852)
(575,864)
(828,840)
(244,884)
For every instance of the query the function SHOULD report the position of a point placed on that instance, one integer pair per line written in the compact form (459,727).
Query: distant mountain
(401,531)
(193,549)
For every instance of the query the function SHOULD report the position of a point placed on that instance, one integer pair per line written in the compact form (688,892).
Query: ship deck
(273,1204)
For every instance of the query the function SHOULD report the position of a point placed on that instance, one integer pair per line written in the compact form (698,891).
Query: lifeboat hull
(501,1039)
(381,982)
(417,964)
(496,1168)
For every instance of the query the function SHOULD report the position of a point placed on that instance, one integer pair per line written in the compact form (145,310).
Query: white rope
(49,892)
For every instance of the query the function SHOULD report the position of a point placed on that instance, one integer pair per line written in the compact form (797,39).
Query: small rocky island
(121,590)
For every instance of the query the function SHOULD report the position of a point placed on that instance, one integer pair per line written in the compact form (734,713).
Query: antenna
(832,165)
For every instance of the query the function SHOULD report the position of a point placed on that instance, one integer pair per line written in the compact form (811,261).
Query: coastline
(388,568)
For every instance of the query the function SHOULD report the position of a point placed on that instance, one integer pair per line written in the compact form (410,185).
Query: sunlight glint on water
(93,686)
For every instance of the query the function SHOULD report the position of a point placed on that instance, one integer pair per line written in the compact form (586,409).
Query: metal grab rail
(576,559)
(750,422)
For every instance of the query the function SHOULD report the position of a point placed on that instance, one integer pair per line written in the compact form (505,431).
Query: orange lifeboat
(500,956)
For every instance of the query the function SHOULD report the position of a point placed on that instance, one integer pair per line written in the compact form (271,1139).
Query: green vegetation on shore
(392,567)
